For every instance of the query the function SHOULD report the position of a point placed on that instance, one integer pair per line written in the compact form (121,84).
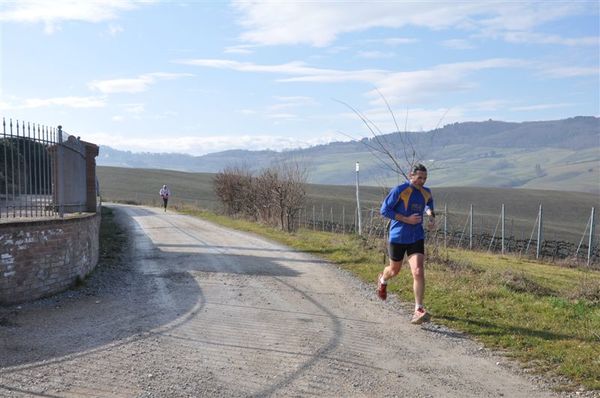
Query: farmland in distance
(565,213)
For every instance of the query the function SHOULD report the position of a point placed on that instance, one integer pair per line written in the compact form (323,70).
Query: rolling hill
(557,155)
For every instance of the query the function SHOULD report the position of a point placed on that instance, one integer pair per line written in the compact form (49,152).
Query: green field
(566,213)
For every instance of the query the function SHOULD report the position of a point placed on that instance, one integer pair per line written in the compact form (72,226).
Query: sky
(204,76)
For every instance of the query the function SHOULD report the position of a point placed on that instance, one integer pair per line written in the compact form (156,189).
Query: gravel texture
(195,309)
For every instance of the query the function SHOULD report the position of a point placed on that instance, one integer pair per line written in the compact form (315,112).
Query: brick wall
(39,258)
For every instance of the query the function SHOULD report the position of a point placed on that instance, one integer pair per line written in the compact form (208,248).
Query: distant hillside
(561,154)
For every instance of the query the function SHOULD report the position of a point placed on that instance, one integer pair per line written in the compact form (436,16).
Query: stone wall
(40,258)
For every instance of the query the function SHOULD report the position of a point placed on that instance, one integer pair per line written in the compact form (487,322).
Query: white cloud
(198,145)
(526,15)
(570,71)
(290,68)
(406,87)
(69,102)
(241,49)
(458,44)
(319,23)
(391,41)
(539,107)
(52,13)
(416,86)
(412,119)
(537,38)
(304,72)
(133,85)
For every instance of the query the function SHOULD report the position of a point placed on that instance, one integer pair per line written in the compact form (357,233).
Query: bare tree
(291,193)
(267,182)
(391,158)
(275,197)
(234,188)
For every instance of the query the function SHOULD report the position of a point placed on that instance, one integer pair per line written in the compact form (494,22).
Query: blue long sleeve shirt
(406,199)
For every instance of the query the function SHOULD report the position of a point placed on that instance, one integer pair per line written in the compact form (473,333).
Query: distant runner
(405,206)
(165,193)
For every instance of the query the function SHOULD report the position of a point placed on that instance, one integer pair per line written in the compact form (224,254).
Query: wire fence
(482,232)
(575,241)
(465,233)
(43,172)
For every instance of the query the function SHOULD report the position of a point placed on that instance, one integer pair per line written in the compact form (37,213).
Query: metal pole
(331,216)
(44,164)
(5,144)
(445,225)
(591,241)
(503,229)
(471,227)
(305,218)
(61,175)
(343,220)
(358,200)
(37,167)
(539,234)
(49,170)
(322,219)
(19,187)
(30,170)
(12,164)
(512,234)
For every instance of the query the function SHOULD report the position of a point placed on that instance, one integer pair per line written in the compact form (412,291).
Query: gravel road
(200,310)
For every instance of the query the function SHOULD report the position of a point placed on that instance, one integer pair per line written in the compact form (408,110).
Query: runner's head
(418,175)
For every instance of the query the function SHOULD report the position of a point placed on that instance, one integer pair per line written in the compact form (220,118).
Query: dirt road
(200,310)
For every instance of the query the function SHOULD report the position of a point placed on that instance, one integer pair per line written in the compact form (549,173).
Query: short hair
(418,167)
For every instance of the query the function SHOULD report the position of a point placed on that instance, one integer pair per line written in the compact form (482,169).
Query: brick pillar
(91,151)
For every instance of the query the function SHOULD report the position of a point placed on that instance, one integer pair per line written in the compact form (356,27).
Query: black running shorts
(397,250)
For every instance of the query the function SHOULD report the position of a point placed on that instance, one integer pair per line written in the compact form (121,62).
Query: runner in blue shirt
(405,206)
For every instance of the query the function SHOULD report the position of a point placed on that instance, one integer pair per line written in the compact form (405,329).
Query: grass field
(566,213)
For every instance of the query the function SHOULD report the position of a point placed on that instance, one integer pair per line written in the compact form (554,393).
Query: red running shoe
(420,316)
(381,288)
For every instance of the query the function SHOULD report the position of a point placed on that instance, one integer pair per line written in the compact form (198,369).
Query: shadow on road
(152,288)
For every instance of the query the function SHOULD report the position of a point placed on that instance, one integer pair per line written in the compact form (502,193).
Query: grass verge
(544,316)
(112,240)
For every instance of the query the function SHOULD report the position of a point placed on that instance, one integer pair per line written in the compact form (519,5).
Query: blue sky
(204,76)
